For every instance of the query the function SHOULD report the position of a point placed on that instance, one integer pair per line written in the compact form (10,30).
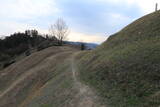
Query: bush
(4,57)
(8,64)
(27,53)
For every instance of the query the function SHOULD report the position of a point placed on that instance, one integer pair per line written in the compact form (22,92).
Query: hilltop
(125,70)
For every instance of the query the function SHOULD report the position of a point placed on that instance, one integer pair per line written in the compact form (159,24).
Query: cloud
(26,9)
(145,6)
(90,20)
(97,16)
(19,15)
(84,37)
(10,27)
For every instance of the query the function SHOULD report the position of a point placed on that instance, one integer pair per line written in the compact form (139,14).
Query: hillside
(122,72)
(46,78)
(125,70)
(18,45)
(20,81)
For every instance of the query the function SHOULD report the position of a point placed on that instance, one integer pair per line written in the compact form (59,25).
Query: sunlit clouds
(89,20)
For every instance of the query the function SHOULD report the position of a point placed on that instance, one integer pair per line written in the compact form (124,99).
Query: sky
(88,20)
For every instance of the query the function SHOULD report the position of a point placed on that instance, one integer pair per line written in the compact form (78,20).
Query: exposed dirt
(19,81)
(86,96)
(46,78)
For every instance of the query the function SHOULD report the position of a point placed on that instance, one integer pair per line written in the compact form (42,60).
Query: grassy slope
(57,92)
(64,90)
(22,82)
(125,69)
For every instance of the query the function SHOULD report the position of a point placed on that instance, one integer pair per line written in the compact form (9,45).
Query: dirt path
(86,94)
(25,88)
(36,77)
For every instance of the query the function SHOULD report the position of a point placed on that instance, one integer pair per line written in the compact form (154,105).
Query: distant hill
(125,70)
(88,45)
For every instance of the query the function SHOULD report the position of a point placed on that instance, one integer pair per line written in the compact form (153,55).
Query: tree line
(24,42)
(18,43)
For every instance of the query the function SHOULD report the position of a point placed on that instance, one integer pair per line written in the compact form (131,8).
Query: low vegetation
(43,79)
(125,70)
(23,43)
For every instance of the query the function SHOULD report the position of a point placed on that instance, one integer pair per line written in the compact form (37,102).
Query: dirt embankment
(48,78)
(23,78)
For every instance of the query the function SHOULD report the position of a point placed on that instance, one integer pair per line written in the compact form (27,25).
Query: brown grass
(20,81)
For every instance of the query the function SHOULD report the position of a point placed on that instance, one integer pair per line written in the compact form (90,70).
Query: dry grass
(20,81)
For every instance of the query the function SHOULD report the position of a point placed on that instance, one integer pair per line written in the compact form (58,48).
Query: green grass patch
(125,69)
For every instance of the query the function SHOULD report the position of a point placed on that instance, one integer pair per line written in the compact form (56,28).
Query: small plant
(27,53)
(83,47)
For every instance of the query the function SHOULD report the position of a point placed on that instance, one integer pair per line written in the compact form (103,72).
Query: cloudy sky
(88,20)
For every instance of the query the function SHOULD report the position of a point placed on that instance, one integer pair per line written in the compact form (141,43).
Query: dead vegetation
(20,80)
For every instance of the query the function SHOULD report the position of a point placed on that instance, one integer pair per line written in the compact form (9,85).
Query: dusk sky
(88,20)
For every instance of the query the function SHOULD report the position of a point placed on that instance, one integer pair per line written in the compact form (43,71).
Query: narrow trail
(87,97)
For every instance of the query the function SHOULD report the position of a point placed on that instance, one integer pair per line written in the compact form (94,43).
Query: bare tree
(59,30)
